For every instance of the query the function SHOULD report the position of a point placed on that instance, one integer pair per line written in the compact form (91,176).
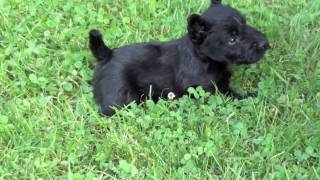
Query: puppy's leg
(97,46)
(116,98)
(225,88)
(230,92)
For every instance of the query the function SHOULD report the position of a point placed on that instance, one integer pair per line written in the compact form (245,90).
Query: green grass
(49,127)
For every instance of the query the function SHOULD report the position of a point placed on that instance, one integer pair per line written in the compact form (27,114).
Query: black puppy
(216,39)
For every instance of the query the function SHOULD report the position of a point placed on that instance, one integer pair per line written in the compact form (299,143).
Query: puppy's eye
(232,41)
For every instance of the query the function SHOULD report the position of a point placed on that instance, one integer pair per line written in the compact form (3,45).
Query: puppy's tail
(98,48)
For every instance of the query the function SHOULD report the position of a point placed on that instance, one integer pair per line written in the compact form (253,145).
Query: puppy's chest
(205,77)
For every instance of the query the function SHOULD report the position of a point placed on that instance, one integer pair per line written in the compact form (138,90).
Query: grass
(49,127)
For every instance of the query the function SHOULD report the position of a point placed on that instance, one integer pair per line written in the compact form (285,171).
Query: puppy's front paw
(252,94)
(239,97)
(235,95)
(248,95)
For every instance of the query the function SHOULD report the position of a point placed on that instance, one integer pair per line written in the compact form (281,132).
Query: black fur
(217,38)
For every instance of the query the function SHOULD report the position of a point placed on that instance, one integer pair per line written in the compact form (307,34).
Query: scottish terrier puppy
(217,38)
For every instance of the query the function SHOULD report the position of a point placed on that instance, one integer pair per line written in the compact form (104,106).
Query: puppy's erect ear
(215,2)
(197,28)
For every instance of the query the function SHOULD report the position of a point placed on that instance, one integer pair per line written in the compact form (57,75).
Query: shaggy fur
(217,38)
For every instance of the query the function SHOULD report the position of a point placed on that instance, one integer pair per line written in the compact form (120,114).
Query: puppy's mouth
(257,56)
(240,59)
(251,58)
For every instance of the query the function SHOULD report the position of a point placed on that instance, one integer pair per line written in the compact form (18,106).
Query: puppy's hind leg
(113,97)
(97,46)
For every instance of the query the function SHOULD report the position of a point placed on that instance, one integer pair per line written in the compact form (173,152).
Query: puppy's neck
(188,47)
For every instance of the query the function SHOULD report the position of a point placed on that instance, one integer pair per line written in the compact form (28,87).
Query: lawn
(49,126)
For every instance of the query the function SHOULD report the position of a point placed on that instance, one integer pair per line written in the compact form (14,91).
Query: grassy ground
(49,127)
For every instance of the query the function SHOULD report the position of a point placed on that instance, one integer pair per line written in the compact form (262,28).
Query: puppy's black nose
(263,45)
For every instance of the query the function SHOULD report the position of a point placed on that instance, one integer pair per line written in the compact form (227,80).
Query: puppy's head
(222,34)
